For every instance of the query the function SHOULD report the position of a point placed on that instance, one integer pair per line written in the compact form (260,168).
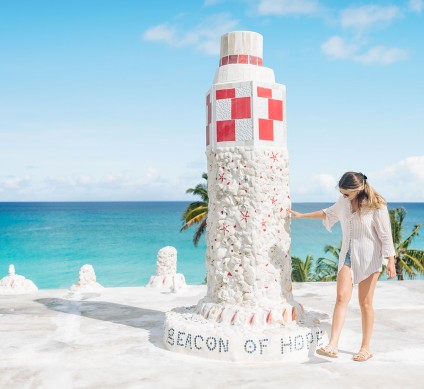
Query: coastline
(114,339)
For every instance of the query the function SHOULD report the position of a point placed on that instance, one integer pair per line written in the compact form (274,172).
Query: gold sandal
(327,351)
(362,356)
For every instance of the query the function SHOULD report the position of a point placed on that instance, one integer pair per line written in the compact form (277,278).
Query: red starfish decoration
(245,216)
(225,229)
(274,157)
(263,223)
(273,200)
(221,177)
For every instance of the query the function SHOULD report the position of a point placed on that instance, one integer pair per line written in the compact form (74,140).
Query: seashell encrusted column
(248,234)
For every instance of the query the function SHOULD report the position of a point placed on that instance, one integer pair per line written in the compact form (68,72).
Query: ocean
(49,242)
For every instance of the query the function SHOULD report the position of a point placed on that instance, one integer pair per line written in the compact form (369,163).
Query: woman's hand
(390,268)
(294,214)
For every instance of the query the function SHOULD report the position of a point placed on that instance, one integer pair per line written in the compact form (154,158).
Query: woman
(367,238)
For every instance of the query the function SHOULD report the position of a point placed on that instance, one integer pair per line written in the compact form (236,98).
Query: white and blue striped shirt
(369,237)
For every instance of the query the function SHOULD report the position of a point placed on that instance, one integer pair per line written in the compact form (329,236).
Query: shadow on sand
(147,319)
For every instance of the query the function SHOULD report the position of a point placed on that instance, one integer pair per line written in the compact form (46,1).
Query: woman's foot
(328,351)
(363,355)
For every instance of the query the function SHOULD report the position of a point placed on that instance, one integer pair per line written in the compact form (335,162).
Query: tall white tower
(249,311)
(248,230)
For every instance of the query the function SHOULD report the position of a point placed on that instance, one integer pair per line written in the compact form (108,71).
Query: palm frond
(199,232)
(416,259)
(302,270)
(197,211)
(333,250)
(326,269)
(405,244)
(397,216)
(195,220)
(194,212)
(405,266)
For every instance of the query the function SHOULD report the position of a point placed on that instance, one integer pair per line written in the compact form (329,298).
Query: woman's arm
(311,215)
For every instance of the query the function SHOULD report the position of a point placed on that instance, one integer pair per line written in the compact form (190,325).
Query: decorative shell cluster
(248,239)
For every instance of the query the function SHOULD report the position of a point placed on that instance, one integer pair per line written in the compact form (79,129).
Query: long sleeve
(331,215)
(384,231)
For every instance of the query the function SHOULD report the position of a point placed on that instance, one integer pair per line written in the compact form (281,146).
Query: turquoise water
(49,242)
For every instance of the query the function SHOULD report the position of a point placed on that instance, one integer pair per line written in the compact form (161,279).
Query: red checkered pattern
(244,113)
(270,113)
(233,114)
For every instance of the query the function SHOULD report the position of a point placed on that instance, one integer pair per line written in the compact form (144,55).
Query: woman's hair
(367,196)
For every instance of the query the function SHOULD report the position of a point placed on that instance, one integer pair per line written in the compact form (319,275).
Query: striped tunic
(369,237)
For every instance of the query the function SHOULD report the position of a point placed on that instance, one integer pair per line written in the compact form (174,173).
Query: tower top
(241,47)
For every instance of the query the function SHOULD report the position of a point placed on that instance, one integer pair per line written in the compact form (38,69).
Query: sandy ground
(113,339)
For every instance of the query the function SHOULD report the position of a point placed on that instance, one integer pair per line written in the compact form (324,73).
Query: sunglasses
(346,195)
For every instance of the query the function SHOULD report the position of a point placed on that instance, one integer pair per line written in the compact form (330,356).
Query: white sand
(113,339)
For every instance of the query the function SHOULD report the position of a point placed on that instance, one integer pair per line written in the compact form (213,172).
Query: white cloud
(15,183)
(325,183)
(339,48)
(287,7)
(382,55)
(205,37)
(416,5)
(368,15)
(160,33)
(412,168)
(320,187)
(402,181)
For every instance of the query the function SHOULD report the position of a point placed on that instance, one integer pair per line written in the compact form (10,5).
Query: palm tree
(409,261)
(327,268)
(197,211)
(302,270)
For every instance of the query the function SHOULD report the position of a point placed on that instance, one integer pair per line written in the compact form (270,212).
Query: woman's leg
(344,293)
(366,290)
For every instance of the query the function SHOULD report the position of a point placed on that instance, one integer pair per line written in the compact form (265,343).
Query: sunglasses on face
(346,195)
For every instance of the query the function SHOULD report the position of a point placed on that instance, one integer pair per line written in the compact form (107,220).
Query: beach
(113,339)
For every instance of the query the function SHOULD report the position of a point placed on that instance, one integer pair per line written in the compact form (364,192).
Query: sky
(103,100)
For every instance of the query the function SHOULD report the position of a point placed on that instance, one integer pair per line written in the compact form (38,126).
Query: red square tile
(275,109)
(259,61)
(266,129)
(243,58)
(224,60)
(253,60)
(225,93)
(233,59)
(240,108)
(264,92)
(225,130)
(207,135)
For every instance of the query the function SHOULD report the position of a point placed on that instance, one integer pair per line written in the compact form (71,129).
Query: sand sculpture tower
(249,303)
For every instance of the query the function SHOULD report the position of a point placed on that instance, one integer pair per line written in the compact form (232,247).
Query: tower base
(189,333)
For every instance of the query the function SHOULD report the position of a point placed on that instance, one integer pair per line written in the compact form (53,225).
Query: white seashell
(249,275)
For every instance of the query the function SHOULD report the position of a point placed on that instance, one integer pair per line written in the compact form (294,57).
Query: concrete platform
(50,339)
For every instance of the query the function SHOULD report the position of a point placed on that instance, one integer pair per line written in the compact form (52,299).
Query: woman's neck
(355,205)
